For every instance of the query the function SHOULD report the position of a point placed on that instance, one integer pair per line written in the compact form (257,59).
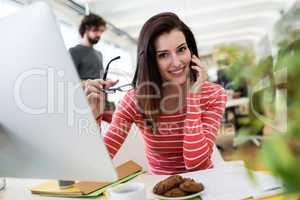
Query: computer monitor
(47,129)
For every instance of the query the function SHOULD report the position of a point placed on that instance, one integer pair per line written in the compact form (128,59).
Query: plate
(156,196)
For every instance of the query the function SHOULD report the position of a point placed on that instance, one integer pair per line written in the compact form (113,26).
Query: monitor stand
(2,183)
(65,184)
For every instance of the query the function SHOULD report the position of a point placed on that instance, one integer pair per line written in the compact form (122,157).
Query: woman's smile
(177,71)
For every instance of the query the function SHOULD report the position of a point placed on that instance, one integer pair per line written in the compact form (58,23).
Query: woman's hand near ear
(201,74)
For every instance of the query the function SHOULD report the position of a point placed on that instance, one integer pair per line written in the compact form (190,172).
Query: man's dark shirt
(88,62)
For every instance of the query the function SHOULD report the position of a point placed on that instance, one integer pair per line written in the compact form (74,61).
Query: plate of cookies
(177,187)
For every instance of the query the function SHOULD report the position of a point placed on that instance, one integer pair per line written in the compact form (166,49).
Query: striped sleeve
(201,126)
(120,125)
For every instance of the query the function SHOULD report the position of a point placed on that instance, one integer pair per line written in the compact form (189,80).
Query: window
(69,34)
(8,7)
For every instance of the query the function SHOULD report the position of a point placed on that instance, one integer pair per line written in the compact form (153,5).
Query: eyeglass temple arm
(107,67)
(119,88)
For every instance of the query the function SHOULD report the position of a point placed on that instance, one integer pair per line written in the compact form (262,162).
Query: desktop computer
(47,129)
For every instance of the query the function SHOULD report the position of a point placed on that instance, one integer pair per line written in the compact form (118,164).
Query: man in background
(88,61)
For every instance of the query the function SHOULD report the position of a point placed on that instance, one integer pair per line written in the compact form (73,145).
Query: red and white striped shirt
(184,140)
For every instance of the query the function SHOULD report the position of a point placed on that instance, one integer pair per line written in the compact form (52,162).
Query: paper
(266,186)
(232,182)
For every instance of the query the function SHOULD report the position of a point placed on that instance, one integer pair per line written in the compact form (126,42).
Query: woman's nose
(175,60)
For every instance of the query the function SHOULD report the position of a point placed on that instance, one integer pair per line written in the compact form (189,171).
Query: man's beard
(93,41)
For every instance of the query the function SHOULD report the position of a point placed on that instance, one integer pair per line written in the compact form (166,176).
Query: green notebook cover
(194,198)
(97,193)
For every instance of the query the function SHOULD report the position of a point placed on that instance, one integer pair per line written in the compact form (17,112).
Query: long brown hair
(147,70)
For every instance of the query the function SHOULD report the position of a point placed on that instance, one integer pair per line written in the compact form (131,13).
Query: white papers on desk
(233,183)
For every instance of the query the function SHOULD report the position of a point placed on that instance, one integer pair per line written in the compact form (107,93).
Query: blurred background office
(236,39)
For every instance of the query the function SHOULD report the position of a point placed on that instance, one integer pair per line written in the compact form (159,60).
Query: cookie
(175,192)
(191,186)
(188,179)
(167,184)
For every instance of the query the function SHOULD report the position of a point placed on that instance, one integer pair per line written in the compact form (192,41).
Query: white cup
(127,191)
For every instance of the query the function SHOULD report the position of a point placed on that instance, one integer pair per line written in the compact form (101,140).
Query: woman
(176,110)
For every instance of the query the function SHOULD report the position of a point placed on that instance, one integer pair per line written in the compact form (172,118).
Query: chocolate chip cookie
(167,184)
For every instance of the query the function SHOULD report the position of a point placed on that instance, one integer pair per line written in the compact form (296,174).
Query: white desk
(19,189)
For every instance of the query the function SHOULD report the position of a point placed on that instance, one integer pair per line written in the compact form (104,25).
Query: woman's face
(173,56)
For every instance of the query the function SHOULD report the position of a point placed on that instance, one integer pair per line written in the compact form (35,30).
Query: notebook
(125,172)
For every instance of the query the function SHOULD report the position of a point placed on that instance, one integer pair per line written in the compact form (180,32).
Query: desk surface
(20,189)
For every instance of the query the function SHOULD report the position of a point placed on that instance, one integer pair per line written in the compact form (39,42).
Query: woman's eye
(182,49)
(162,55)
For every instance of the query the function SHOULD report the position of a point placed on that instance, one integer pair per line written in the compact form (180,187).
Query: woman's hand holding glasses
(94,91)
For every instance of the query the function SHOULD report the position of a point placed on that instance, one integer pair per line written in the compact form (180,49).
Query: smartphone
(193,73)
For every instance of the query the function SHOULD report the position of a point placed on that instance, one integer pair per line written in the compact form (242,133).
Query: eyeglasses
(122,88)
(107,67)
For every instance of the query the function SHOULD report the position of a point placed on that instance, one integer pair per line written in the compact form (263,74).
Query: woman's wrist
(99,118)
(98,109)
(194,87)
